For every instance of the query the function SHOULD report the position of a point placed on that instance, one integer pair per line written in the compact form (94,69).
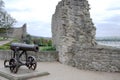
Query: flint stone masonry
(44,56)
(71,26)
(98,58)
(18,33)
(73,34)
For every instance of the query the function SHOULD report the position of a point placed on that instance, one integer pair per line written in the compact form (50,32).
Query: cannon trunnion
(20,49)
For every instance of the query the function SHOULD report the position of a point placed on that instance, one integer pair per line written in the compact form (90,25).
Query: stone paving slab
(23,74)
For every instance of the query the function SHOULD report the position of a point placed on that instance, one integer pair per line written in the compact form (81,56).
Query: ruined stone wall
(73,35)
(43,56)
(19,33)
(6,32)
(98,58)
(71,26)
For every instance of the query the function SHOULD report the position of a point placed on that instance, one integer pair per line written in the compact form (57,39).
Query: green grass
(47,48)
(2,39)
(42,48)
(5,46)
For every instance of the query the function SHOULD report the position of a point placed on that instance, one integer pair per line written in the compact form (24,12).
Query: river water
(110,43)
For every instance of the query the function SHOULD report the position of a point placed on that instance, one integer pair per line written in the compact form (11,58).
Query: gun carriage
(20,49)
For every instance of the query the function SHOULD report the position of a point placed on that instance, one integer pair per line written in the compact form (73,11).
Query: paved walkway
(63,72)
(5,41)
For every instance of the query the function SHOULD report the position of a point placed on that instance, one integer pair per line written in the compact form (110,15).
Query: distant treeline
(41,41)
(107,38)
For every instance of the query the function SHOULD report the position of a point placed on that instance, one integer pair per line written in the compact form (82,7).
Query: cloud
(38,14)
(39,29)
(114,19)
(114,9)
(100,9)
(18,10)
(108,29)
(32,9)
(106,17)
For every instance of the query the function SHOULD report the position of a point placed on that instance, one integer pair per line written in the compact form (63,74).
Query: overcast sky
(38,13)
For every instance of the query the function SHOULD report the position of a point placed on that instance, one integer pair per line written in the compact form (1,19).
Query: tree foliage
(6,20)
(28,39)
(1,5)
(42,42)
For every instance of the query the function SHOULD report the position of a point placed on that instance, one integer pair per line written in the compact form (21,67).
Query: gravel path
(63,72)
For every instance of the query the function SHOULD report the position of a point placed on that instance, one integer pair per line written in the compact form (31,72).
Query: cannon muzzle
(24,47)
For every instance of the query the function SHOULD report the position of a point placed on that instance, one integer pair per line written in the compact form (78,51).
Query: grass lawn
(42,48)
(5,46)
(2,39)
(47,48)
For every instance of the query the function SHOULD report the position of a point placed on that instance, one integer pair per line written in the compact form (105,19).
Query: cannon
(20,49)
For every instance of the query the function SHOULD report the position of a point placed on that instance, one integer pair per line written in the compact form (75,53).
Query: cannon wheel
(13,65)
(32,64)
(5,65)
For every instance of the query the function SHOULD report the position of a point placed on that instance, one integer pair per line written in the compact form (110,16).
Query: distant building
(18,33)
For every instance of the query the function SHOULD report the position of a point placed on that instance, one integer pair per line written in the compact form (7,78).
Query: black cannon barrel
(24,47)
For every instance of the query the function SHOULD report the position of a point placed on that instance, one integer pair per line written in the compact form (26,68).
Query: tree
(1,5)
(6,21)
(28,39)
(49,42)
(36,41)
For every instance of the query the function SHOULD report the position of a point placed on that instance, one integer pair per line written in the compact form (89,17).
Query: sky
(37,14)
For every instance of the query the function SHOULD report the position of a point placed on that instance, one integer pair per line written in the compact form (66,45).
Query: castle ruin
(18,33)
(73,34)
